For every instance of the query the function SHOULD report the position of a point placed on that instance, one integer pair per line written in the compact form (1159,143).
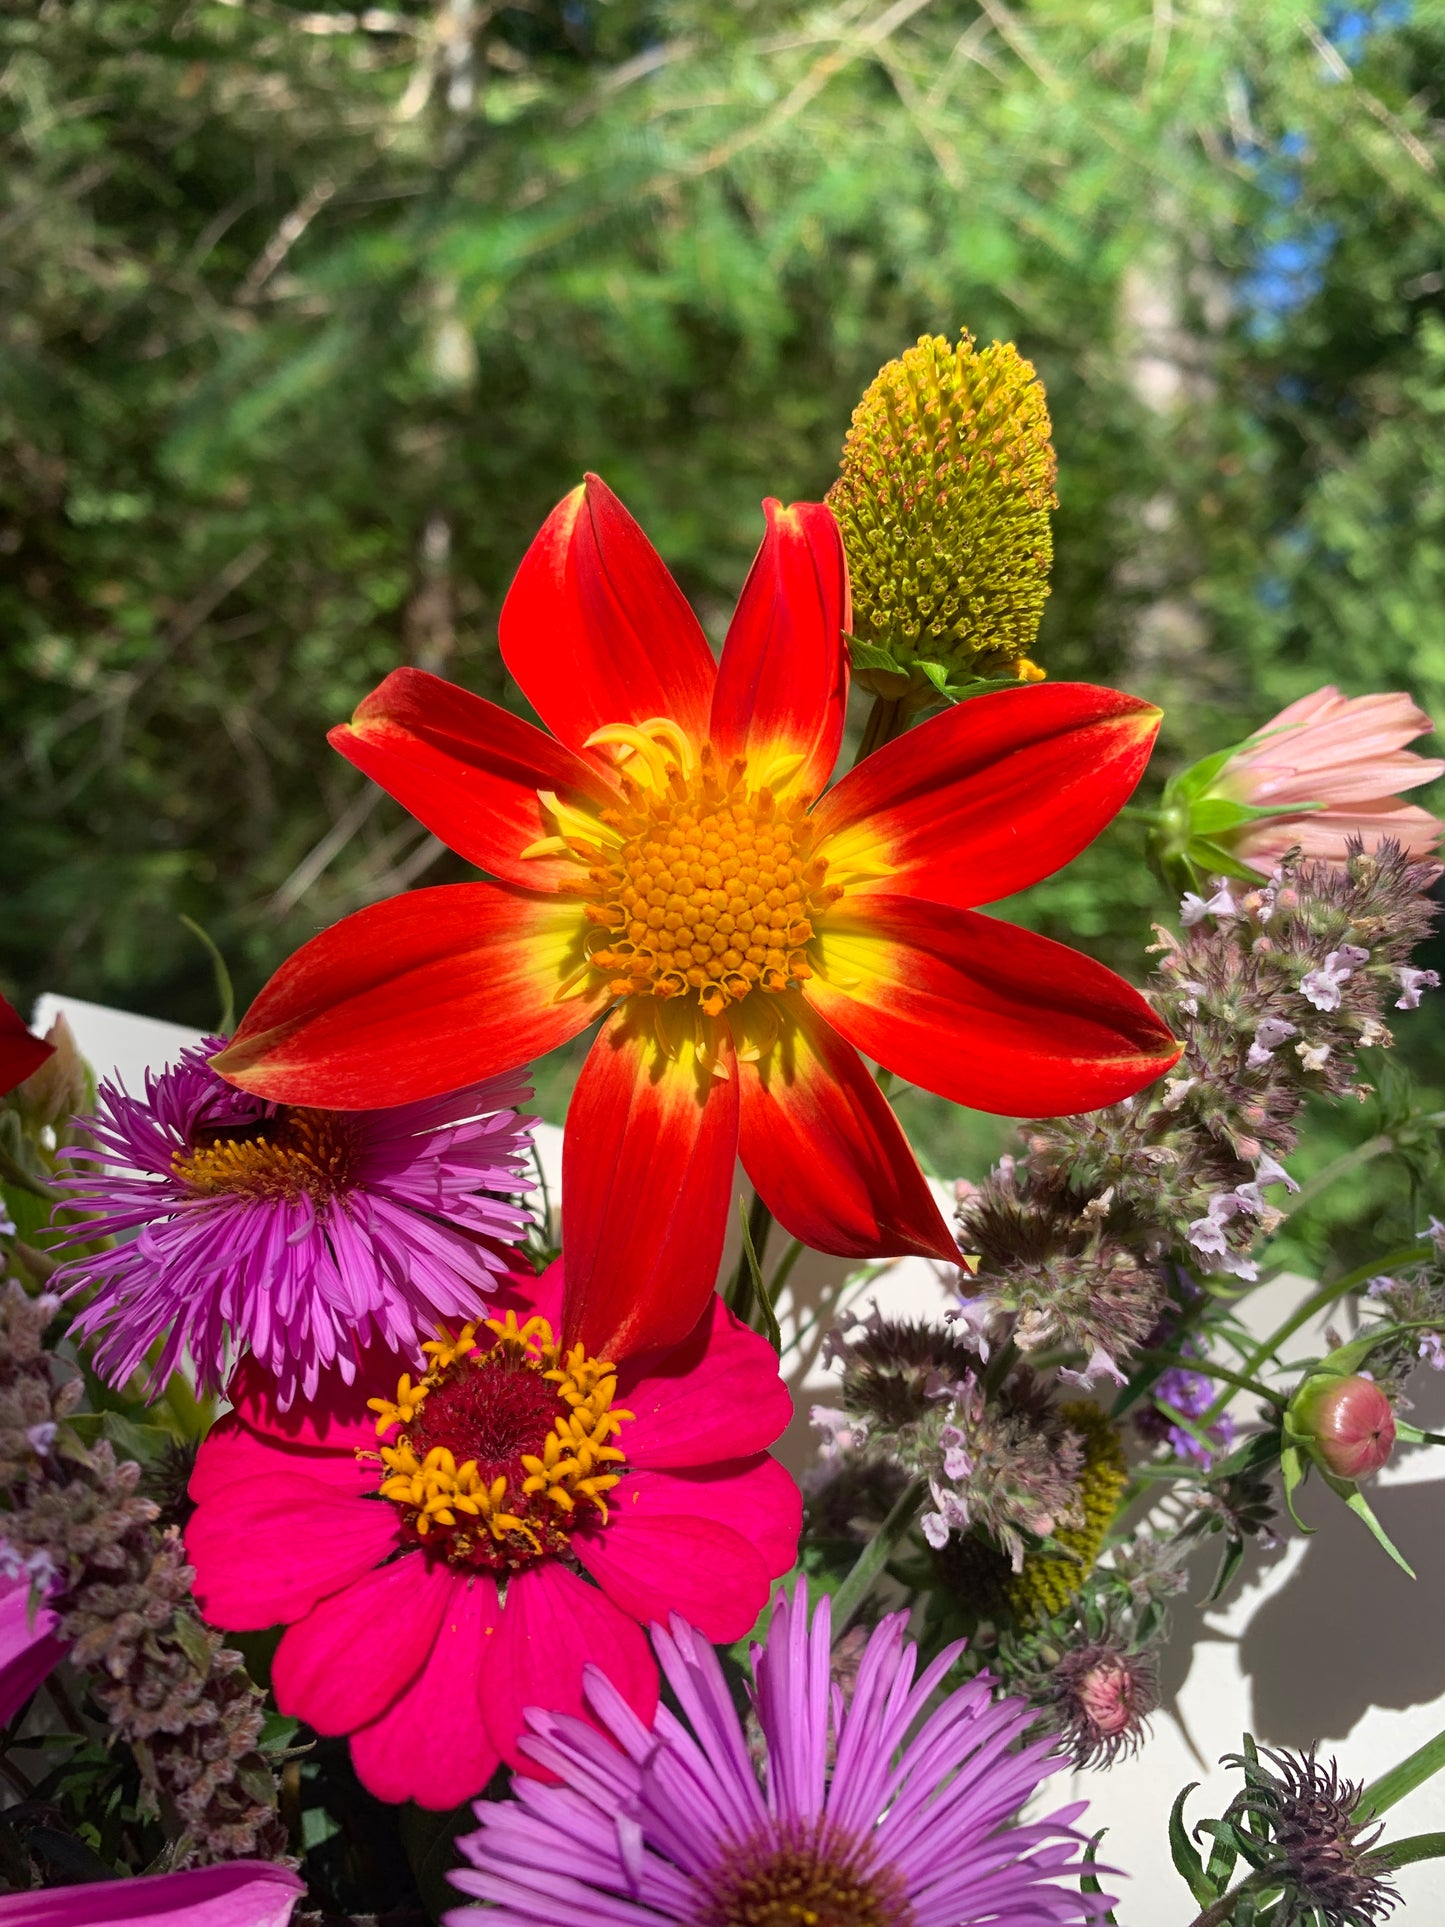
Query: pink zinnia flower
(914,1824)
(376,1523)
(238,1893)
(1346,752)
(294,1233)
(29,1650)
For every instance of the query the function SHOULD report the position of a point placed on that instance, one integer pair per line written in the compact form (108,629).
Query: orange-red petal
(990,796)
(595,629)
(782,685)
(984,1013)
(647,1174)
(825,1152)
(470,772)
(416,996)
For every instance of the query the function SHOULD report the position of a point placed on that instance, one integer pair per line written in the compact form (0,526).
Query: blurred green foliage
(308,315)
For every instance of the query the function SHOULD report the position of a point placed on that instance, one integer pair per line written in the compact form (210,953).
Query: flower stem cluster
(174,1696)
(1273,991)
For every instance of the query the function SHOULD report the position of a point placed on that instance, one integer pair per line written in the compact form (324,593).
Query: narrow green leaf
(1417,1846)
(1186,1855)
(226,1022)
(1360,1506)
(1413,1771)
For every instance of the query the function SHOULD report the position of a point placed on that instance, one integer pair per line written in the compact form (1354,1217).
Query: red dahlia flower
(21,1052)
(668,850)
(377,1522)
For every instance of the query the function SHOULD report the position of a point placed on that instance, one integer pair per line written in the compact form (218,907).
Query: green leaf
(867,655)
(1186,1855)
(1228,1566)
(1413,1771)
(1089,1879)
(1359,1505)
(1418,1846)
(226,996)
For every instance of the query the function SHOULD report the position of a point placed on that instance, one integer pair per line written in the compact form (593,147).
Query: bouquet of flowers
(378,1540)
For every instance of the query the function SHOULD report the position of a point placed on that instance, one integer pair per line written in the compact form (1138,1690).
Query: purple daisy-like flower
(295,1234)
(671,1823)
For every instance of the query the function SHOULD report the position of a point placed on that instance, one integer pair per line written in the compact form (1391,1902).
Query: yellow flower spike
(947,481)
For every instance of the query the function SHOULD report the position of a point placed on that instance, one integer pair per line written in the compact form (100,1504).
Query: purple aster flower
(670,1823)
(292,1233)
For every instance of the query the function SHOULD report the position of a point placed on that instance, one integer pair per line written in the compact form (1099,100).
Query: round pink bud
(1350,1426)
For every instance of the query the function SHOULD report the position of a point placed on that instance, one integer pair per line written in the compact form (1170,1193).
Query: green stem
(785,1266)
(740,1291)
(875,1555)
(882,725)
(16,1174)
(1217,1914)
(1337,1168)
(1208,1369)
(1383,1793)
(999,1366)
(1317,1302)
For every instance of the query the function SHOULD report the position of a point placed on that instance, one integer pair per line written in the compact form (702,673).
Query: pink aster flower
(376,1523)
(1347,753)
(29,1650)
(296,1234)
(238,1893)
(669,1822)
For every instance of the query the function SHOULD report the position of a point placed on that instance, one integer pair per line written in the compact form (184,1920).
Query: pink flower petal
(237,1893)
(430,1745)
(336,1418)
(265,1558)
(755,1496)
(552,1626)
(655,1564)
(717,1395)
(232,1454)
(348,1659)
(532,1297)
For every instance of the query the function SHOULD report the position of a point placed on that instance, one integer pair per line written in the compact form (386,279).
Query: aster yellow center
(503,1447)
(803,1876)
(705,884)
(295,1154)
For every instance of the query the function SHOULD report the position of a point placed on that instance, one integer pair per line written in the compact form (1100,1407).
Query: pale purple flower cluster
(669,1823)
(296,1234)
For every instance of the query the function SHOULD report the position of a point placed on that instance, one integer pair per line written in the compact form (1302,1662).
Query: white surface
(1325,1640)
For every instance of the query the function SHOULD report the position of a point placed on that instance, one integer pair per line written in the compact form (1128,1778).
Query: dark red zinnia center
(490,1409)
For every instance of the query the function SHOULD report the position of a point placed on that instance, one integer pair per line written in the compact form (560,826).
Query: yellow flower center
(803,1876)
(703,885)
(503,1447)
(292,1155)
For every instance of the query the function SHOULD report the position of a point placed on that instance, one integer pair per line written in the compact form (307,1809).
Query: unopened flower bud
(1345,1424)
(943,502)
(58,1089)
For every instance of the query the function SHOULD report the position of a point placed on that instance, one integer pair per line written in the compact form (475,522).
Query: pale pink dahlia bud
(1346,1424)
(1344,752)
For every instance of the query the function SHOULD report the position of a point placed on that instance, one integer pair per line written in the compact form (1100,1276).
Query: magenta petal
(347,1660)
(233,1454)
(755,1496)
(334,1418)
(29,1650)
(265,1558)
(531,1297)
(715,1396)
(430,1745)
(238,1893)
(654,1564)
(552,1626)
